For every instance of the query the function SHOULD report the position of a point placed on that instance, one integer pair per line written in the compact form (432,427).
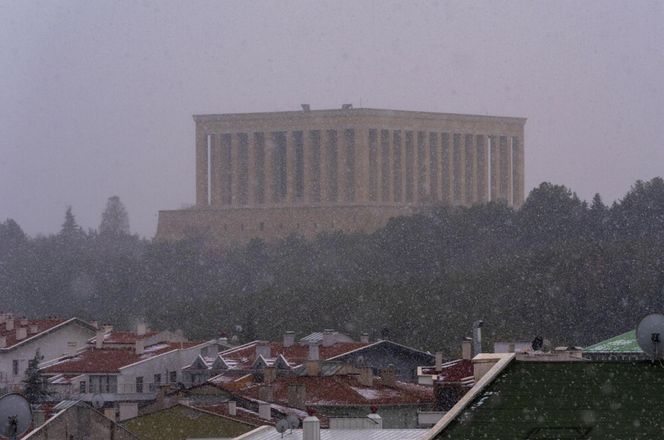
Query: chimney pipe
(263,349)
(264,410)
(232,408)
(140,346)
(466,349)
(3,341)
(289,339)
(328,338)
(364,338)
(99,339)
(21,333)
(314,353)
(477,337)
(311,428)
(9,324)
(24,321)
(439,361)
(141,329)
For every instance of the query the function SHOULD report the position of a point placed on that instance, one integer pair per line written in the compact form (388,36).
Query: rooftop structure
(618,348)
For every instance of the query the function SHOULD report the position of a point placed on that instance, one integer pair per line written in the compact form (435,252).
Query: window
(15,367)
(173,377)
(81,387)
(157,380)
(103,384)
(139,384)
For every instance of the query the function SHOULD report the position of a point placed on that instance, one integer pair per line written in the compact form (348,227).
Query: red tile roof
(122,337)
(344,390)
(459,370)
(42,326)
(245,355)
(109,360)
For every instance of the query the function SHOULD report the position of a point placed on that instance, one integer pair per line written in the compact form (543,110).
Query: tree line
(571,271)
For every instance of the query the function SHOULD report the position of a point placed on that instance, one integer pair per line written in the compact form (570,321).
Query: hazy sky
(96,97)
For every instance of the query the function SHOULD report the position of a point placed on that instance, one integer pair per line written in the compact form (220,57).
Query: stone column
(235,170)
(458,169)
(290,168)
(470,170)
(446,168)
(482,167)
(494,166)
(341,165)
(505,171)
(434,167)
(270,189)
(306,158)
(251,168)
(517,171)
(201,166)
(385,165)
(398,167)
(216,185)
(423,168)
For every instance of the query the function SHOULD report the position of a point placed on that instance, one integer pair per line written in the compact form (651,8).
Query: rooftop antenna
(282,426)
(15,416)
(649,335)
(477,337)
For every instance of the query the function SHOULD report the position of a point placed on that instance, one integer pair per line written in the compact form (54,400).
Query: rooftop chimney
(3,341)
(364,338)
(297,394)
(140,346)
(269,375)
(266,393)
(24,321)
(232,408)
(389,375)
(33,329)
(366,377)
(264,410)
(374,417)
(263,349)
(21,333)
(439,361)
(328,338)
(9,324)
(312,368)
(466,349)
(141,329)
(3,317)
(314,353)
(311,428)
(289,338)
(477,337)
(99,339)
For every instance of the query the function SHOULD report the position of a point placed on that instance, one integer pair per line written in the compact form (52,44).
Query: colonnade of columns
(357,166)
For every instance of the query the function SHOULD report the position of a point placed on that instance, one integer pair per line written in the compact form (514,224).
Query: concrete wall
(80,422)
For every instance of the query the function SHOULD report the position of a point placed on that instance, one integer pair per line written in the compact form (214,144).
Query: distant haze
(96,97)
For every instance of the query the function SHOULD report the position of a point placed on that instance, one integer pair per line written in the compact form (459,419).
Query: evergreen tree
(70,229)
(34,388)
(114,219)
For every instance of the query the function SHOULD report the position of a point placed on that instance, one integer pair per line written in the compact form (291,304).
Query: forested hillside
(572,271)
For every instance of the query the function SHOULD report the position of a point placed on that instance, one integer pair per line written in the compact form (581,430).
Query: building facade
(268,175)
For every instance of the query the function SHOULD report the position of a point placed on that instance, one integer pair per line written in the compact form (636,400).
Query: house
(120,369)
(78,420)
(21,338)
(618,348)
(183,421)
(290,354)
(335,390)
(541,398)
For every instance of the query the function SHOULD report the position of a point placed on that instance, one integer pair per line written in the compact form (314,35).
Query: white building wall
(66,339)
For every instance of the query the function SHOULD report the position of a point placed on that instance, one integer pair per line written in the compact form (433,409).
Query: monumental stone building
(268,175)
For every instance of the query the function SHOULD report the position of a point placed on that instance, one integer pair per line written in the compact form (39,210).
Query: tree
(114,219)
(34,388)
(70,229)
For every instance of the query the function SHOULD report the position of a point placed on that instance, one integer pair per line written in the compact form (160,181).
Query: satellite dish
(282,426)
(293,421)
(537,343)
(15,415)
(97,401)
(650,335)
